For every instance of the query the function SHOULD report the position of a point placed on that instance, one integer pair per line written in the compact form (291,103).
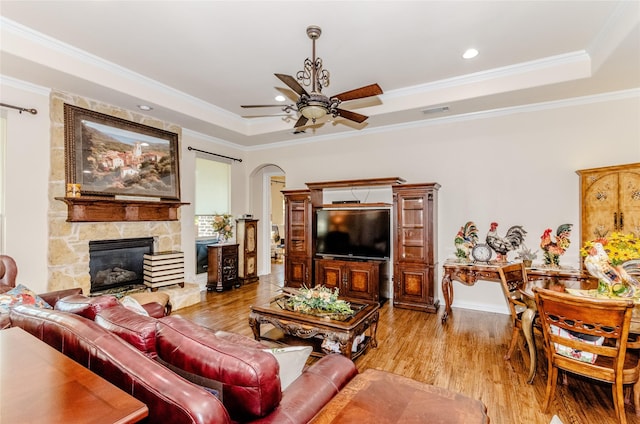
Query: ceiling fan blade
(292,83)
(288,93)
(352,116)
(247,106)
(303,120)
(358,93)
(263,116)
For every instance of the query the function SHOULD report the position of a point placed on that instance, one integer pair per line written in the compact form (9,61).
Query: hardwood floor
(464,355)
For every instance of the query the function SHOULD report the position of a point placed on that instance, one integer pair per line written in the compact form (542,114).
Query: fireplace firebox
(115,264)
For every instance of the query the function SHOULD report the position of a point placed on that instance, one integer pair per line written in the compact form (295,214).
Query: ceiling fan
(315,105)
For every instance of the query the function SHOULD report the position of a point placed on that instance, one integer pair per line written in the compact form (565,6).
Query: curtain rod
(21,109)
(214,154)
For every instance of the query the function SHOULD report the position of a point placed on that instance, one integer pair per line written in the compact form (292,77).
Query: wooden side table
(222,271)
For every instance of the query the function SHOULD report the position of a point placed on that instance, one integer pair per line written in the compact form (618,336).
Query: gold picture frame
(110,156)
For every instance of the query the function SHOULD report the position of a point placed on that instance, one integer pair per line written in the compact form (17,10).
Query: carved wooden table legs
(466,274)
(527,328)
(321,330)
(447,292)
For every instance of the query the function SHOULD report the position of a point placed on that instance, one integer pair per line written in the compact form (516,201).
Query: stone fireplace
(68,257)
(117,264)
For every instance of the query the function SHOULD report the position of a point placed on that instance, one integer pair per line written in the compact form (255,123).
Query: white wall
(27,175)
(515,168)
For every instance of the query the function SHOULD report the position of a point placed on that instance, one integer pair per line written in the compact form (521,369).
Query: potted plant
(526,255)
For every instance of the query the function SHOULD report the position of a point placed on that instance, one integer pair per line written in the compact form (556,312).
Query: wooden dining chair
(588,337)
(512,278)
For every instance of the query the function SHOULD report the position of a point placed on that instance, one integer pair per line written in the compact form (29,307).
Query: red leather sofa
(9,273)
(168,363)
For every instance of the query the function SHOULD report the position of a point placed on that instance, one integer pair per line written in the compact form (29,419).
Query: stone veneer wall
(68,252)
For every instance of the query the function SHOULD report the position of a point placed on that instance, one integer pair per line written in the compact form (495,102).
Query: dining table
(582,288)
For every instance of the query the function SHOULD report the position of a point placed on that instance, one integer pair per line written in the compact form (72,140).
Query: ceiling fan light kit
(315,105)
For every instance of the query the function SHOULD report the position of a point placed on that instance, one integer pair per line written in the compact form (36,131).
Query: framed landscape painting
(110,156)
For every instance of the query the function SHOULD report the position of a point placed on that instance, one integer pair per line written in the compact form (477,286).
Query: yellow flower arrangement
(620,247)
(223,225)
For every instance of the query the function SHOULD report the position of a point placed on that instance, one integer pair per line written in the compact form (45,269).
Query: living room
(512,165)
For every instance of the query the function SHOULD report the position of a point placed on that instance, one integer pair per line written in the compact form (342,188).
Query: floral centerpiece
(223,225)
(619,247)
(604,258)
(321,301)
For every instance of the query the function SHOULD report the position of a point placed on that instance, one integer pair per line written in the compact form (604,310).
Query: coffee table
(298,328)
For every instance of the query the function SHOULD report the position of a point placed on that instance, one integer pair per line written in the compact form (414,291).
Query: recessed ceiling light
(280,98)
(470,54)
(145,107)
(438,109)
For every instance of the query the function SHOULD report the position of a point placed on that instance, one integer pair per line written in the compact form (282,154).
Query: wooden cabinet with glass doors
(609,201)
(298,270)
(414,256)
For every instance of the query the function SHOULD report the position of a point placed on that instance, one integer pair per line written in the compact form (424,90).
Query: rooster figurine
(503,245)
(554,249)
(466,238)
(615,279)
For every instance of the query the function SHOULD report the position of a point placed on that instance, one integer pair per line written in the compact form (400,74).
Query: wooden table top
(273,309)
(533,272)
(40,385)
(375,396)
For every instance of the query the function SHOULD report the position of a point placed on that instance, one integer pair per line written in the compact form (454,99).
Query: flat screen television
(353,233)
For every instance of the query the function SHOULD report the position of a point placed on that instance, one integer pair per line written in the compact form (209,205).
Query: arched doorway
(265,184)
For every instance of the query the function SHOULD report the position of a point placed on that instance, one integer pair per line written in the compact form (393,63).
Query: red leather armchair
(8,272)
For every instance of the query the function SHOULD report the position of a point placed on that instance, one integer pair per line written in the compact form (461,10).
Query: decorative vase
(527,263)
(604,288)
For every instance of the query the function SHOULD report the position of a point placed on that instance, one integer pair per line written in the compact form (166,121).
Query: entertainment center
(337,240)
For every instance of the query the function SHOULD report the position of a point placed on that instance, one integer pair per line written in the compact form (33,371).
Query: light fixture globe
(313,112)
(313,106)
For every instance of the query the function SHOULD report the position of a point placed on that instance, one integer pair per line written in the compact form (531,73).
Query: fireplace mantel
(108,209)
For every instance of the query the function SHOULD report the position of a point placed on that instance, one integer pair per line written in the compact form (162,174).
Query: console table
(468,273)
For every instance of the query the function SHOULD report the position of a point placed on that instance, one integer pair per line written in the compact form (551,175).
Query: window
(213,179)
(3,139)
